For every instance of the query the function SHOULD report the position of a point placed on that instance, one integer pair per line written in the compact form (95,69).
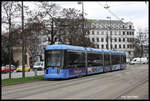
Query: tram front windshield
(54,58)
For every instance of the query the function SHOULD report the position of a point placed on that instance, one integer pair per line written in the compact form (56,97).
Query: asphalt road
(131,83)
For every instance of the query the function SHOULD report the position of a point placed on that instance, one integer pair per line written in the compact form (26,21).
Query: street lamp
(82,16)
(23,55)
(83,33)
(110,33)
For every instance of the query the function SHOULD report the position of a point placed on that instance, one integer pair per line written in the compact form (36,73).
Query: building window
(119,39)
(124,46)
(93,39)
(119,46)
(123,26)
(97,46)
(115,39)
(127,33)
(115,46)
(102,33)
(107,46)
(132,33)
(102,40)
(127,39)
(102,46)
(130,46)
(92,32)
(97,39)
(123,33)
(127,46)
(123,39)
(130,26)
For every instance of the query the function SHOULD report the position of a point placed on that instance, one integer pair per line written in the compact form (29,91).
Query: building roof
(106,21)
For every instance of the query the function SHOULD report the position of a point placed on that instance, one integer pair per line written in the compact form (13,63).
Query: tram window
(94,59)
(115,59)
(74,59)
(106,59)
(54,58)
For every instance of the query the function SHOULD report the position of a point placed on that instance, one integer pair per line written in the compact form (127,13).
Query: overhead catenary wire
(107,8)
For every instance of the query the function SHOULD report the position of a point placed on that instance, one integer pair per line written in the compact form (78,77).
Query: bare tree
(64,26)
(48,12)
(33,31)
(139,43)
(4,49)
(73,33)
(9,12)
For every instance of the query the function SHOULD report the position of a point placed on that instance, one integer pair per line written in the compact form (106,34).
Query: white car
(39,65)
(139,60)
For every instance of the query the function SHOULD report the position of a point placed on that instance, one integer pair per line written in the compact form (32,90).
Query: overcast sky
(135,12)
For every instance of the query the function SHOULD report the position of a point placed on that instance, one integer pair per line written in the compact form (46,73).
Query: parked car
(5,69)
(27,69)
(139,60)
(12,66)
(39,65)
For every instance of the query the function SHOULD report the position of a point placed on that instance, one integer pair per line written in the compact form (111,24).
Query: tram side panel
(95,63)
(74,62)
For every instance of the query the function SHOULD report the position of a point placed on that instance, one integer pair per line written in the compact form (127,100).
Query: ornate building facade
(113,35)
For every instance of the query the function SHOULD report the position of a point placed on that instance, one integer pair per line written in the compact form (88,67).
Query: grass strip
(21,80)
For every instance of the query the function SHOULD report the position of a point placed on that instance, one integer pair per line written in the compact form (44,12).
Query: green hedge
(21,80)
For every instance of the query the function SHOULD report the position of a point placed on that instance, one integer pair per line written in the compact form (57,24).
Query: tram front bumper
(54,76)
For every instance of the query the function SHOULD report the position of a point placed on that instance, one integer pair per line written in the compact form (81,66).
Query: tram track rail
(126,91)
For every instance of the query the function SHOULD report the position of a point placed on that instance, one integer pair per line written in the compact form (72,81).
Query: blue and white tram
(66,61)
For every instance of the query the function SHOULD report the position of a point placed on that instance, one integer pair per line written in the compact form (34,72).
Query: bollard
(35,72)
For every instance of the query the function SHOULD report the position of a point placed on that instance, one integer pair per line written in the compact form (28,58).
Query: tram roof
(122,52)
(64,47)
(106,51)
(118,52)
(94,50)
(114,52)
(79,48)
